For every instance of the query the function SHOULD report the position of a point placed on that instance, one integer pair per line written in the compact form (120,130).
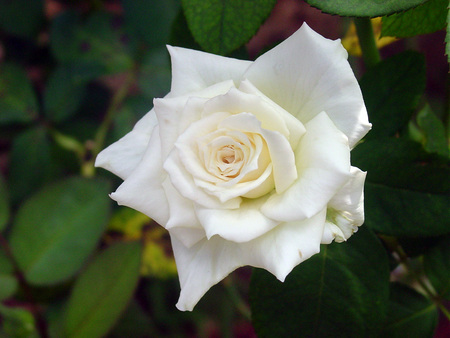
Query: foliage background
(76,75)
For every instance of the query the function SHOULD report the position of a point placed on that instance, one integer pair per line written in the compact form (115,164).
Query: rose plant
(248,163)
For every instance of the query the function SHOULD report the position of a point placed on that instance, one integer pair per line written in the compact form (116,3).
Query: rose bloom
(248,163)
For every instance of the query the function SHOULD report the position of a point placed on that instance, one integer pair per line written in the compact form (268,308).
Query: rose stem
(369,49)
(404,260)
(115,103)
(236,298)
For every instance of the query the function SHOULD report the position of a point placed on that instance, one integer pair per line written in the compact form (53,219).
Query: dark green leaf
(447,38)
(221,26)
(181,35)
(93,40)
(66,87)
(341,291)
(6,266)
(4,204)
(370,8)
(58,228)
(391,91)
(426,18)
(31,164)
(150,20)
(130,112)
(433,130)
(154,76)
(437,267)
(8,286)
(18,103)
(402,164)
(399,212)
(410,314)
(8,283)
(407,190)
(17,322)
(102,292)
(134,323)
(21,17)
(417,246)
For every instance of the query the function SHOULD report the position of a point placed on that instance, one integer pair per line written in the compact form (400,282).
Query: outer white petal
(237,225)
(182,216)
(286,246)
(307,74)
(194,70)
(279,251)
(346,209)
(122,157)
(202,266)
(143,190)
(323,164)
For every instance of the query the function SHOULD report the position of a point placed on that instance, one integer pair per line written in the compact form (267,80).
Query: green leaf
(134,323)
(150,20)
(180,35)
(427,18)
(154,76)
(102,292)
(433,130)
(342,290)
(360,8)
(4,204)
(31,164)
(8,283)
(407,189)
(93,40)
(132,109)
(398,212)
(221,26)
(58,228)
(391,91)
(437,267)
(21,17)
(8,286)
(66,88)
(401,163)
(18,103)
(17,322)
(447,37)
(410,314)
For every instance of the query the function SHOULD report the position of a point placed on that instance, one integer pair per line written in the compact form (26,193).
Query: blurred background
(75,76)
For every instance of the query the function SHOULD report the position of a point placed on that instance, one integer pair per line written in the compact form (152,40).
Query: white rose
(248,163)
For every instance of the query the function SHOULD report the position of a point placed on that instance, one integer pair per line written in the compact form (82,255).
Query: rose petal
(186,145)
(182,216)
(295,127)
(193,70)
(122,157)
(142,189)
(279,251)
(175,114)
(307,74)
(323,163)
(346,208)
(237,102)
(183,181)
(281,154)
(286,246)
(237,225)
